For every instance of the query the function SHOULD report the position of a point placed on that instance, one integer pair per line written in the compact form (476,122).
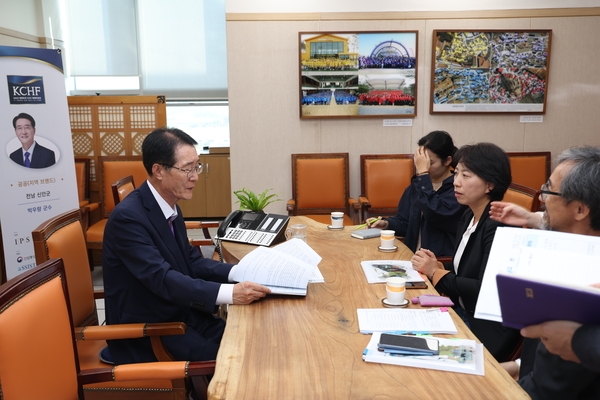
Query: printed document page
(377,271)
(299,249)
(555,257)
(281,271)
(431,320)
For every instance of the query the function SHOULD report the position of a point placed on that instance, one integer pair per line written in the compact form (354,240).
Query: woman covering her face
(482,175)
(428,212)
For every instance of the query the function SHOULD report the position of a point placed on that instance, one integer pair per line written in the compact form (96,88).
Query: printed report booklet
(455,355)
(376,271)
(430,320)
(285,269)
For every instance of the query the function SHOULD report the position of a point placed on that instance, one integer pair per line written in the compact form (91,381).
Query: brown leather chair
(62,237)
(121,188)
(531,169)
(383,179)
(320,185)
(110,170)
(82,176)
(524,196)
(38,354)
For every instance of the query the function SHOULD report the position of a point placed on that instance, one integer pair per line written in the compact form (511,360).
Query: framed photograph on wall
(490,71)
(358,74)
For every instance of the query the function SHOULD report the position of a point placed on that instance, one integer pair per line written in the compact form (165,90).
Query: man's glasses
(545,192)
(189,172)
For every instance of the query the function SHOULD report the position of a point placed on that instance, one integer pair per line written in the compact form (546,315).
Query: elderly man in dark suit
(152,273)
(31,154)
(561,359)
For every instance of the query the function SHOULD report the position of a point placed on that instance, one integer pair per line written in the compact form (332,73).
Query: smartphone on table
(408,345)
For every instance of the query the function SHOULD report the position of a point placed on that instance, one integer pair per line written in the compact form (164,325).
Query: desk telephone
(253,228)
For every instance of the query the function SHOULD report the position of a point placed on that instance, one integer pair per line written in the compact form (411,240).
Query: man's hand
(512,214)
(556,336)
(512,368)
(247,292)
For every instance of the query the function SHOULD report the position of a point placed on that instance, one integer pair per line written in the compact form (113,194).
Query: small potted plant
(250,201)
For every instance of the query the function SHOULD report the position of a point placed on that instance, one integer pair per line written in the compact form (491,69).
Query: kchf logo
(26,89)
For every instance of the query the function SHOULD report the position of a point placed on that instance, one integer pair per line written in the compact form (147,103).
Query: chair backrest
(121,188)
(524,196)
(37,356)
(383,179)
(531,169)
(62,237)
(114,168)
(320,183)
(82,175)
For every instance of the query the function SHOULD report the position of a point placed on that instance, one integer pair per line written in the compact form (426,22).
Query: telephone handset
(228,221)
(253,228)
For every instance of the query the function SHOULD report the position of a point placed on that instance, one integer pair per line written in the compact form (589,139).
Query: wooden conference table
(290,347)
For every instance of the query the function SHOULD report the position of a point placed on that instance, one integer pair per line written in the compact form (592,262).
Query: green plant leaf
(250,201)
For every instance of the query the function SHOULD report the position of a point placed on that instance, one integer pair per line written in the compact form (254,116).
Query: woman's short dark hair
(440,143)
(160,144)
(490,163)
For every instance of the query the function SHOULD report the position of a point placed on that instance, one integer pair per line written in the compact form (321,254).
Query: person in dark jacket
(428,212)
(482,175)
(152,273)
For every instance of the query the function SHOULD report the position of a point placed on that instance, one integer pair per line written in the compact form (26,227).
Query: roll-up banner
(37,181)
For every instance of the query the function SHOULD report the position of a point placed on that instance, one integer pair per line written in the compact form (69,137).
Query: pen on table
(369,222)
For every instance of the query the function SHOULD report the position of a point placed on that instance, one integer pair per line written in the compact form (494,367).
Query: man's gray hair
(582,182)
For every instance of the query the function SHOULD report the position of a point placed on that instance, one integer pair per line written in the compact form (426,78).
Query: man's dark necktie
(27,160)
(171,218)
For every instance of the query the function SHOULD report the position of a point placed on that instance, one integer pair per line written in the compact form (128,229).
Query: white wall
(283,6)
(265,127)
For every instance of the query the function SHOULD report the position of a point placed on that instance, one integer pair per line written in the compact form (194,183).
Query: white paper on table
(431,320)
(278,268)
(301,250)
(562,258)
(456,355)
(375,274)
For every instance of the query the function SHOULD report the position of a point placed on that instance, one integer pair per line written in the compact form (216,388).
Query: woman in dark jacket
(428,212)
(482,175)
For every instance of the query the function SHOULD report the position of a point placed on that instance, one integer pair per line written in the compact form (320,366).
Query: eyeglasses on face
(545,192)
(189,172)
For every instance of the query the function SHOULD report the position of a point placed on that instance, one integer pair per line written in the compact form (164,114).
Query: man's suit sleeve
(159,265)
(586,345)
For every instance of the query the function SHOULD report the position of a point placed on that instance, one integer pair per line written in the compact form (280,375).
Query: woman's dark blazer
(466,284)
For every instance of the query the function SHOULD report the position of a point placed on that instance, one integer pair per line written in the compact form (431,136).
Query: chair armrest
(98,294)
(147,371)
(364,201)
(129,331)
(201,242)
(354,203)
(291,206)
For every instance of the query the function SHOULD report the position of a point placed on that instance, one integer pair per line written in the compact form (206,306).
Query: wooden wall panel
(112,126)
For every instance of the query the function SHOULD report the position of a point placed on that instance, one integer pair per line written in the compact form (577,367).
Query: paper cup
(395,288)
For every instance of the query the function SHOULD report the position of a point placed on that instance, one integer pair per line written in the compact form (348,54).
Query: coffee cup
(395,288)
(387,239)
(296,231)
(337,219)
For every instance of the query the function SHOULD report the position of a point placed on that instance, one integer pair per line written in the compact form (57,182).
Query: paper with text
(377,271)
(285,270)
(555,257)
(303,251)
(405,320)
